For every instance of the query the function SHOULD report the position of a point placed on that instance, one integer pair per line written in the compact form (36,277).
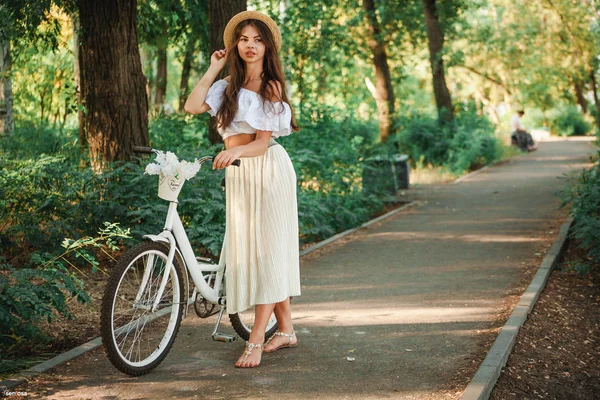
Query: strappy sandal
(247,352)
(287,345)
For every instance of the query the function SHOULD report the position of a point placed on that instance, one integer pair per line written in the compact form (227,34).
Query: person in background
(520,136)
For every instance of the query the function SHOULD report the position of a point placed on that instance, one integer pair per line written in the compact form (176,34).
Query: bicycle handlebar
(143,149)
(150,150)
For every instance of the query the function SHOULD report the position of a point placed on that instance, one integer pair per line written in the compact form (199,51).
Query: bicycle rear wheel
(136,338)
(242,324)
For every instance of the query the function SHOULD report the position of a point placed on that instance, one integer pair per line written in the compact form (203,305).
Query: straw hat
(228,35)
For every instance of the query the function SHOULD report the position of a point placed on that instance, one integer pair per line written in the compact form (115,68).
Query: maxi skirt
(260,250)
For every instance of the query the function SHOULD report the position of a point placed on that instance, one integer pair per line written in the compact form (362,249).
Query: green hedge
(584,197)
(467,143)
(567,120)
(49,192)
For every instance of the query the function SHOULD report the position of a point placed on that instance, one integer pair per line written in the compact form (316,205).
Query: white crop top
(251,115)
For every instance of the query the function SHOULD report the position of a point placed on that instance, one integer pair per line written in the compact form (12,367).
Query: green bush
(423,139)
(567,120)
(328,156)
(48,197)
(29,141)
(473,144)
(584,197)
(179,132)
(33,294)
(533,118)
(43,200)
(29,295)
(467,143)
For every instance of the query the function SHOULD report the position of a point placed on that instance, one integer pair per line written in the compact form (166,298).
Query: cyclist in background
(520,136)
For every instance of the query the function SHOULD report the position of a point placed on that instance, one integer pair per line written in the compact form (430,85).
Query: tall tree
(595,94)
(186,68)
(219,13)
(161,69)
(113,85)
(196,36)
(383,91)
(6,93)
(161,22)
(325,55)
(80,115)
(578,88)
(435,37)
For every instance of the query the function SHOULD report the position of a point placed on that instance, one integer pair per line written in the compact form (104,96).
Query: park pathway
(405,309)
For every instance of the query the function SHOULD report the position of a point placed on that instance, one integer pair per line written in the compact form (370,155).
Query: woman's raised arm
(195,103)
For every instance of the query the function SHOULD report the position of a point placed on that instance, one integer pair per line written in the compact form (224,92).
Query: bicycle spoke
(139,320)
(140,336)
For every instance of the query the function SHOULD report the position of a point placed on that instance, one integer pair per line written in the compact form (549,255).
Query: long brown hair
(272,71)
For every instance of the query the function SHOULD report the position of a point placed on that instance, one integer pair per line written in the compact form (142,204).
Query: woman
(261,235)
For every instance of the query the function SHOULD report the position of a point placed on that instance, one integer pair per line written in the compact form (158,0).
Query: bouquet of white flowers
(167,164)
(172,173)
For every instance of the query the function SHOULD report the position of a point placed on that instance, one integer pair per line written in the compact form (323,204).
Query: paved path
(413,301)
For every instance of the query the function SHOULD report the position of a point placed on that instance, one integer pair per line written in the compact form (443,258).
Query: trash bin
(386,174)
(402,170)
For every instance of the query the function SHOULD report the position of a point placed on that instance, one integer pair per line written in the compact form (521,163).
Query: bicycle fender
(157,238)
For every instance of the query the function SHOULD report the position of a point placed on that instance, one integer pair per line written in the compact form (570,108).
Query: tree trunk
(147,65)
(219,14)
(42,104)
(161,70)
(383,92)
(436,47)
(301,84)
(185,72)
(581,100)
(595,92)
(7,119)
(77,71)
(112,82)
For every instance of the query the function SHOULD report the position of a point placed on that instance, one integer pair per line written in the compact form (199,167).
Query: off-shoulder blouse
(251,115)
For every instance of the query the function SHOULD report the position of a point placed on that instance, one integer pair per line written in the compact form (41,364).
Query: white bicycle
(148,294)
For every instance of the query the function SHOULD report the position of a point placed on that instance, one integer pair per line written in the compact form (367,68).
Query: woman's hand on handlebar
(226,157)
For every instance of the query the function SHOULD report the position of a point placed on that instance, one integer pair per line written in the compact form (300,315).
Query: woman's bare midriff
(239,140)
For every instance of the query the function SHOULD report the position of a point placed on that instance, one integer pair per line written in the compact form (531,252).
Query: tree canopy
(489,54)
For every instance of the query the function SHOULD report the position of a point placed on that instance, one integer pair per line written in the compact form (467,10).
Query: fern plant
(31,295)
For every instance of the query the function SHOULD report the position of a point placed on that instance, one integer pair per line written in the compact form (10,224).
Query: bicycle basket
(169,187)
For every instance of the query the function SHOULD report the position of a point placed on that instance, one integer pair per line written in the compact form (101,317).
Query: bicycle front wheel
(136,337)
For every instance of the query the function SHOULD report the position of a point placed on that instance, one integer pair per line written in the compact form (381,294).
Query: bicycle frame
(174,234)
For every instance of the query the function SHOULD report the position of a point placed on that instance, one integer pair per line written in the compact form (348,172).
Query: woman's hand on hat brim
(218,58)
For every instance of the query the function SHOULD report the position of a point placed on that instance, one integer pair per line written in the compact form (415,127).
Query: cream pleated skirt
(260,250)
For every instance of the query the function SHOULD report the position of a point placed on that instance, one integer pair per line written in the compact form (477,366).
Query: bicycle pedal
(223,337)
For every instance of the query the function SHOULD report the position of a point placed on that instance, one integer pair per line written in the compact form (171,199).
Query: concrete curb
(22,377)
(483,169)
(484,380)
(471,174)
